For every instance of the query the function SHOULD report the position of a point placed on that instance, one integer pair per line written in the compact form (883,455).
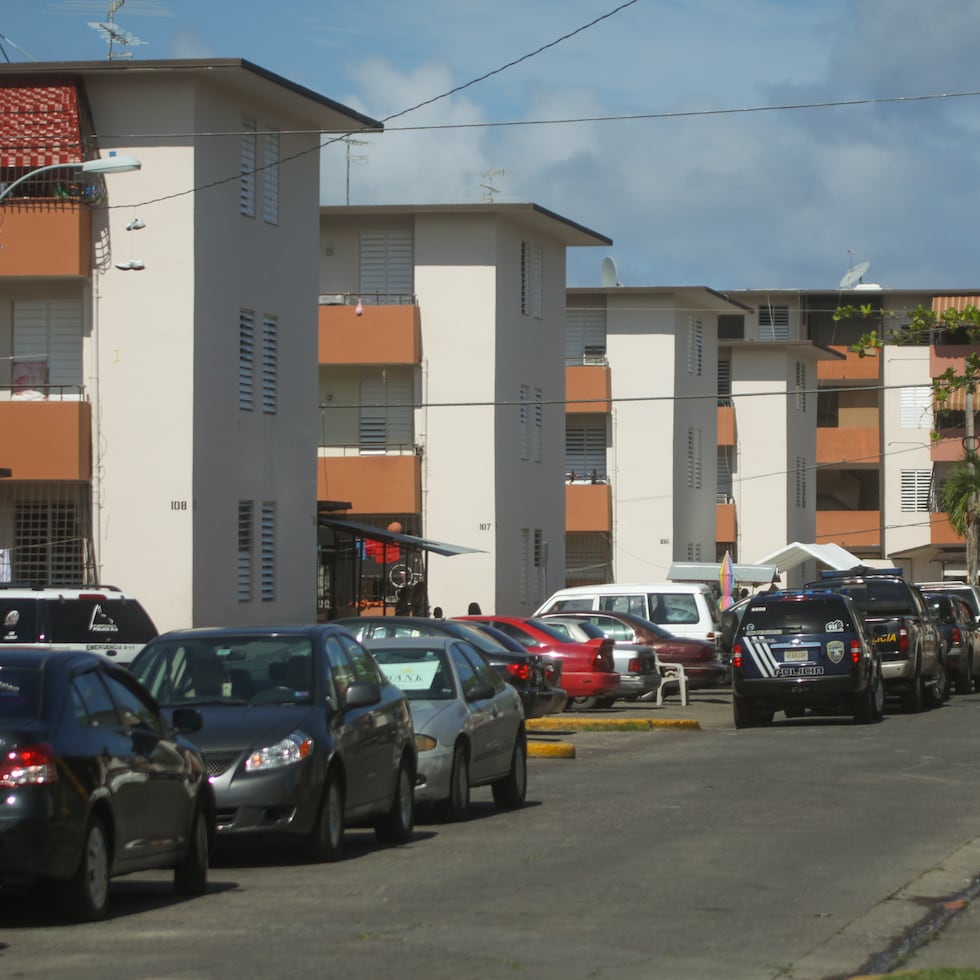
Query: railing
(368,299)
(24,391)
(588,476)
(52,185)
(360,449)
(590,357)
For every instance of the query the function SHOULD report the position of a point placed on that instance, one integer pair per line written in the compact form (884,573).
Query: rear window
(792,616)
(99,620)
(19,619)
(19,692)
(879,597)
(674,609)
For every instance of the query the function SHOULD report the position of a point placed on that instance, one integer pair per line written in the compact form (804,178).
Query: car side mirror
(186,720)
(362,694)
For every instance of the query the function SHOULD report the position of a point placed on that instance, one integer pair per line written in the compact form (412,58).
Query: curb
(609,724)
(550,750)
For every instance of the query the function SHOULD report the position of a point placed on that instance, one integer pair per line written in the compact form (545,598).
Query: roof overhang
(362,531)
(832,555)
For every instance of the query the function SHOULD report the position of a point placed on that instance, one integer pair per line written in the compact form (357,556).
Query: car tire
(963,682)
(605,702)
(85,896)
(456,806)
(325,842)
(510,792)
(191,873)
(396,826)
(746,716)
(794,711)
(912,695)
(870,705)
(938,693)
(584,704)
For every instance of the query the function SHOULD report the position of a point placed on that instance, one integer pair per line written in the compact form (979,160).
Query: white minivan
(681,608)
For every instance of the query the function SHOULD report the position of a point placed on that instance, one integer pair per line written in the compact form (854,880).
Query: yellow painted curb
(550,750)
(609,724)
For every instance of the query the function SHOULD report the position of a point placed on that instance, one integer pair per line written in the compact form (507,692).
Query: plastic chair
(672,673)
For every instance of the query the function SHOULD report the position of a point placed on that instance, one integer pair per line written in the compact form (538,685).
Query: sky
(727,143)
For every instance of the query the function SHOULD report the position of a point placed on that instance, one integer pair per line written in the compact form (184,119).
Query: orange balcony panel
(380,335)
(46,440)
(588,388)
(372,484)
(726,522)
(849,528)
(854,446)
(46,238)
(726,432)
(854,368)
(941,533)
(949,449)
(944,356)
(588,507)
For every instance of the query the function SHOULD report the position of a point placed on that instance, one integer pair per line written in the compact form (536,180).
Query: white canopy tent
(831,555)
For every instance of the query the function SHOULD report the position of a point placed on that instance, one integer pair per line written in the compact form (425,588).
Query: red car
(587,668)
(703,662)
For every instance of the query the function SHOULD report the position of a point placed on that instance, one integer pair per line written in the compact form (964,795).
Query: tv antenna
(855,275)
(353,157)
(488,189)
(114,35)
(3,51)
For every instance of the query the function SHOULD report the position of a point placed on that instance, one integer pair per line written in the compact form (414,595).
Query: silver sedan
(469,724)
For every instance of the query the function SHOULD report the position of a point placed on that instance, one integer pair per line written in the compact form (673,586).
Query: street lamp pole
(111,164)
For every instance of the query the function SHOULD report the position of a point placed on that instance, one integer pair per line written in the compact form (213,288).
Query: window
(47,349)
(915,411)
(50,539)
(695,346)
(134,710)
(724,379)
(387,268)
(270,365)
(537,432)
(724,487)
(773,322)
(246,360)
(246,192)
(800,481)
(267,542)
(915,490)
(532,280)
(694,459)
(585,449)
(693,554)
(387,413)
(270,176)
(585,335)
(800,386)
(525,435)
(525,560)
(588,558)
(246,533)
(91,704)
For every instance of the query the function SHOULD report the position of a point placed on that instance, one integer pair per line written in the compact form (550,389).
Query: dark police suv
(803,649)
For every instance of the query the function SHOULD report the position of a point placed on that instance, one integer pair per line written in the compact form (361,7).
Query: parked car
(99,618)
(959,632)
(536,678)
(683,608)
(95,782)
(469,724)
(635,661)
(704,665)
(588,672)
(303,734)
(902,629)
(805,649)
(970,593)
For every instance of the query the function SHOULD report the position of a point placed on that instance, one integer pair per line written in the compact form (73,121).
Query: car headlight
(424,743)
(292,749)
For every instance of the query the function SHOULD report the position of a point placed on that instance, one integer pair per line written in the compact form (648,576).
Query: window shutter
(48,342)
(246,360)
(585,450)
(267,532)
(387,268)
(270,177)
(915,410)
(246,200)
(724,379)
(270,365)
(773,322)
(915,490)
(585,335)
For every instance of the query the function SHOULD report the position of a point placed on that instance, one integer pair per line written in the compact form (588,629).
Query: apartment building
(642,426)
(442,401)
(158,334)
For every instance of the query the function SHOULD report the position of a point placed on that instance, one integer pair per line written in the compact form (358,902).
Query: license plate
(794,656)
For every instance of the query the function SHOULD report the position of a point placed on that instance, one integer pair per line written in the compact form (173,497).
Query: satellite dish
(608,274)
(854,276)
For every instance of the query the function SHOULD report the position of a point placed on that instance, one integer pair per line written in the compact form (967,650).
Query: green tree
(958,490)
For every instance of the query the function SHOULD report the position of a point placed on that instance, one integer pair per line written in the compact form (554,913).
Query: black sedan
(303,733)
(95,783)
(536,678)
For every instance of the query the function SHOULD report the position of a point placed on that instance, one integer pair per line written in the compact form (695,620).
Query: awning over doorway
(392,537)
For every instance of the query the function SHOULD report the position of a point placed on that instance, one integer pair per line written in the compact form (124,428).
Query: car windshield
(19,692)
(228,670)
(790,616)
(423,674)
(878,597)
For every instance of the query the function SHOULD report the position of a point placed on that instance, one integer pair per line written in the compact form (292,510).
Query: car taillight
(737,652)
(903,639)
(855,651)
(956,636)
(602,661)
(635,665)
(30,765)
(521,671)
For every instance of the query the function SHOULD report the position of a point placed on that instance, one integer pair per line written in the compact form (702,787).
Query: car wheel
(939,688)
(191,874)
(871,702)
(396,826)
(604,702)
(510,792)
(326,840)
(963,682)
(457,806)
(745,715)
(794,711)
(85,896)
(912,696)
(584,704)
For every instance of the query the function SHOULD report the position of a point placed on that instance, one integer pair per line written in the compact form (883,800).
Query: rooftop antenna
(111,32)
(488,189)
(353,157)
(855,275)
(608,273)
(3,51)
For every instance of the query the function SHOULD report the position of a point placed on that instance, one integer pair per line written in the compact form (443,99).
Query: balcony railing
(368,299)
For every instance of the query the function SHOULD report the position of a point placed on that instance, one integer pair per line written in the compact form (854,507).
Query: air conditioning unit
(333,299)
